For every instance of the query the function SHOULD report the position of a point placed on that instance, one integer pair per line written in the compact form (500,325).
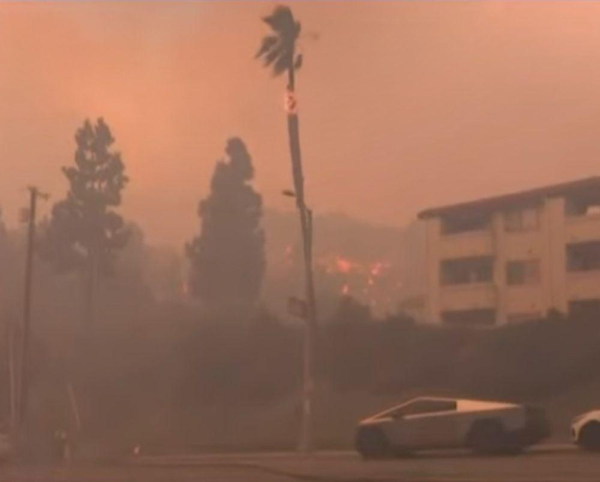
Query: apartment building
(505,258)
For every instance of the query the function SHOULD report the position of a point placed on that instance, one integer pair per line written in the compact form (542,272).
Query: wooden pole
(23,382)
(12,373)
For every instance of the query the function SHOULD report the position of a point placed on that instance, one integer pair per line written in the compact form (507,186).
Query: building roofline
(513,199)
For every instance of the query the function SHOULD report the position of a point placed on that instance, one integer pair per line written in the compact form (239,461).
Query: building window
(421,407)
(478,269)
(583,256)
(475,221)
(522,220)
(525,272)
(582,206)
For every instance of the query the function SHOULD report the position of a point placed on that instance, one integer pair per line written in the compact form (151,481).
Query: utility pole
(309,315)
(306,443)
(279,51)
(23,385)
(12,375)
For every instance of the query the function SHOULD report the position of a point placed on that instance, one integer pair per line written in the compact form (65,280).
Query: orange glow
(289,251)
(378,267)
(174,84)
(343,265)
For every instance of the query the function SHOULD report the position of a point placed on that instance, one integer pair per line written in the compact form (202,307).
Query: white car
(428,423)
(585,430)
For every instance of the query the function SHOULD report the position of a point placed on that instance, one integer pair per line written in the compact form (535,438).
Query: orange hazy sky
(403,104)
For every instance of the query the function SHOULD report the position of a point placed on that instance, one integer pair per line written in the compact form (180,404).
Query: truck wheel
(487,437)
(373,444)
(589,436)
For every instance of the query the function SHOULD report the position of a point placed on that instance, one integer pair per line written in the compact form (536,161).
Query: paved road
(547,464)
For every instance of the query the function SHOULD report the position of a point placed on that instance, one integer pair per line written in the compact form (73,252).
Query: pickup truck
(431,423)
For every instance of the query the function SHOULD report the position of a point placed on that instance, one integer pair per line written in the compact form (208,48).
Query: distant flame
(343,265)
(288,255)
(340,264)
(376,269)
(365,280)
(289,250)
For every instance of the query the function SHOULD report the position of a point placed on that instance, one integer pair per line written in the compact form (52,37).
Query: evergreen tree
(84,231)
(228,257)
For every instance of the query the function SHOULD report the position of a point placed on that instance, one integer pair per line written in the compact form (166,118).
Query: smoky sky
(402,104)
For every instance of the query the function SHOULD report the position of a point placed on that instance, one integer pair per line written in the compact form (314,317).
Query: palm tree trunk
(306,438)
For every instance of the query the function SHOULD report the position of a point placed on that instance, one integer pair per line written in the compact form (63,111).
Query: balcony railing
(580,229)
(467,244)
(468,296)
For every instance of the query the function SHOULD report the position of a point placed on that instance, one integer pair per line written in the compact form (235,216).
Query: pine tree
(84,231)
(228,257)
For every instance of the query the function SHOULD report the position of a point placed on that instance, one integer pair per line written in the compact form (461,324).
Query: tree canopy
(228,258)
(278,49)
(85,223)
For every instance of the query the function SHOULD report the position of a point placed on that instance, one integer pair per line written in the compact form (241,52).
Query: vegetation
(178,378)
(228,257)
(85,231)
(278,52)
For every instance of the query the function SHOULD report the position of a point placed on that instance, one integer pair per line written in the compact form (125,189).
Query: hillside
(351,257)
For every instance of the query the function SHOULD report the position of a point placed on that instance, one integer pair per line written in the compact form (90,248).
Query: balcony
(524,299)
(583,285)
(468,297)
(580,229)
(470,243)
(524,245)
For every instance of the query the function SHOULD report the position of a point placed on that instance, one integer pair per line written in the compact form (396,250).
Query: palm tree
(278,51)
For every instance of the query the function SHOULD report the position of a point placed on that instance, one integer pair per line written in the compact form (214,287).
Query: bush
(172,375)
(529,360)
